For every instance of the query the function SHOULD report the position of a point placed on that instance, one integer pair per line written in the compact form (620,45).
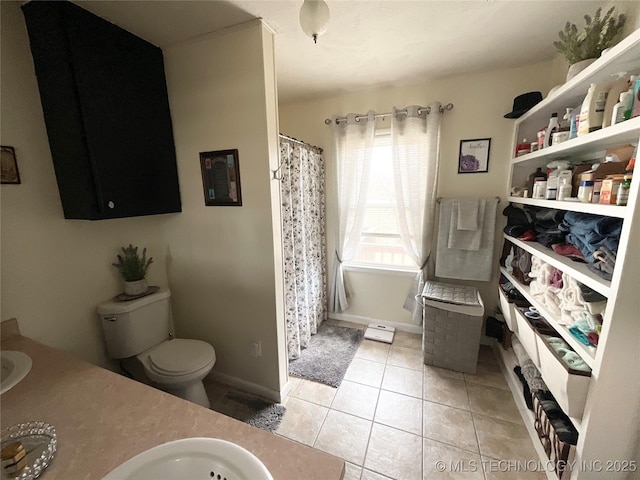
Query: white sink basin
(14,367)
(193,459)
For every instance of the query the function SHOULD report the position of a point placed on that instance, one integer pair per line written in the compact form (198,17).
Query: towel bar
(440,198)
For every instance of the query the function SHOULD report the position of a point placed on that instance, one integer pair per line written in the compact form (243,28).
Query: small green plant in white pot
(583,48)
(133,269)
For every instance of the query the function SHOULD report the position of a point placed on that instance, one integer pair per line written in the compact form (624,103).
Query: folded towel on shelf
(571,300)
(555,279)
(469,213)
(466,238)
(593,337)
(579,335)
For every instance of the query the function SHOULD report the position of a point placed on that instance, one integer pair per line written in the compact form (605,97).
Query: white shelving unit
(610,425)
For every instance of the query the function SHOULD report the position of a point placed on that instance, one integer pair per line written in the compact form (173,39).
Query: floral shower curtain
(304,245)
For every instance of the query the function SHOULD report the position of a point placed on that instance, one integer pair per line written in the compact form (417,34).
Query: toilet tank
(134,326)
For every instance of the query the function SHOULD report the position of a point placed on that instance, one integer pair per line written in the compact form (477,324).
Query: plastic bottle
(616,88)
(551,129)
(622,108)
(592,110)
(532,179)
(564,191)
(523,148)
(586,188)
(623,190)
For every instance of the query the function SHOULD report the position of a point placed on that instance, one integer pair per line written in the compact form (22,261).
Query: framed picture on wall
(8,165)
(221,178)
(474,155)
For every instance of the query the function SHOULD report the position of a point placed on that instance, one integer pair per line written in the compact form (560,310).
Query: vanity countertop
(102,419)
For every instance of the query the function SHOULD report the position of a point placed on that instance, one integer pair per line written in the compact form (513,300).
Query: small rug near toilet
(249,409)
(328,355)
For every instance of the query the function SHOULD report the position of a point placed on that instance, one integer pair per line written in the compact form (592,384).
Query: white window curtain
(353,152)
(415,139)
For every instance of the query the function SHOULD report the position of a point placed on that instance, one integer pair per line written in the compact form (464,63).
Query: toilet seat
(179,357)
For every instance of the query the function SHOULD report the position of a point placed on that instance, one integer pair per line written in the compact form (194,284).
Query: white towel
(466,264)
(469,214)
(466,239)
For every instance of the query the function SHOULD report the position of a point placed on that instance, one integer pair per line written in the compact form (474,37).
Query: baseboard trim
(248,387)
(404,327)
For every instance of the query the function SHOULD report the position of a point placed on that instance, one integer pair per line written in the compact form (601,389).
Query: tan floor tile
(487,355)
(315,392)
(394,453)
(495,470)
(369,475)
(405,357)
(302,420)
(493,402)
(488,374)
(344,436)
(503,440)
(356,399)
(406,339)
(449,425)
(399,411)
(352,472)
(374,351)
(402,380)
(444,462)
(295,382)
(442,372)
(365,372)
(445,390)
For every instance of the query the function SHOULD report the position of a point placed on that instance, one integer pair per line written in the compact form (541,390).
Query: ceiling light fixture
(314,18)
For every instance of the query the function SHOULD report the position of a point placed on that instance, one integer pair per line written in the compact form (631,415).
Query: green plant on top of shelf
(131,265)
(599,34)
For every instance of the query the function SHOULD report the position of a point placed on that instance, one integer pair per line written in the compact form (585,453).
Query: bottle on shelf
(592,111)
(532,179)
(585,191)
(564,190)
(616,88)
(622,110)
(623,190)
(523,148)
(552,128)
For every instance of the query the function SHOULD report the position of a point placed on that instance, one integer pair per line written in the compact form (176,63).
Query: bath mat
(249,409)
(328,355)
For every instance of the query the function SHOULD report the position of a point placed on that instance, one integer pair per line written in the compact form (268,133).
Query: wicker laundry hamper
(452,326)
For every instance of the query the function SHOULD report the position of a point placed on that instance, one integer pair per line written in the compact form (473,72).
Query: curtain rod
(295,140)
(448,106)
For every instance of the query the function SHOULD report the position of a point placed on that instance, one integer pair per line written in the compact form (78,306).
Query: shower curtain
(303,238)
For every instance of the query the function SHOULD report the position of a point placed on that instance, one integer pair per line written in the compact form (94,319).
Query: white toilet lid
(180,356)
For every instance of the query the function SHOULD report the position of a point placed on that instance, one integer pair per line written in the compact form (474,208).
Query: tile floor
(394,417)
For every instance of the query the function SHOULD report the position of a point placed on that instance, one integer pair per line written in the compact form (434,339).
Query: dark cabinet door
(118,105)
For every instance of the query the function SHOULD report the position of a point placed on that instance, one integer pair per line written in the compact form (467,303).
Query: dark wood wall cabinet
(104,97)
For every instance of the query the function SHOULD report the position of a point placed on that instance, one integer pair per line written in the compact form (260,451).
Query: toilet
(138,333)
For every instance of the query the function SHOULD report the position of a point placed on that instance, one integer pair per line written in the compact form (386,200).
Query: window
(380,242)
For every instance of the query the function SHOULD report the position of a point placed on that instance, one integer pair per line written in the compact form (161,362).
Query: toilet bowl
(138,334)
(178,366)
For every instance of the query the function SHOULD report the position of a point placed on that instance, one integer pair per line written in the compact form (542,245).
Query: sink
(14,367)
(195,459)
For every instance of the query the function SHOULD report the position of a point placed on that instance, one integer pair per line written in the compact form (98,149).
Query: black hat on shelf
(523,103)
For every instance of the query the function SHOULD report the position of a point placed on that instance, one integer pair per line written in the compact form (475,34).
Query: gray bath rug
(328,355)
(255,411)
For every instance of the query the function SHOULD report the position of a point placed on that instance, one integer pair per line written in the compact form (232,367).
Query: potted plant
(133,269)
(583,48)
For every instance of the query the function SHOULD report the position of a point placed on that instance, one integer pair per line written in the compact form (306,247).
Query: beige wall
(218,261)
(54,271)
(480,102)
(221,259)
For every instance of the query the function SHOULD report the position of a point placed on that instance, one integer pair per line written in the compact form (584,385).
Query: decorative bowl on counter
(40,443)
